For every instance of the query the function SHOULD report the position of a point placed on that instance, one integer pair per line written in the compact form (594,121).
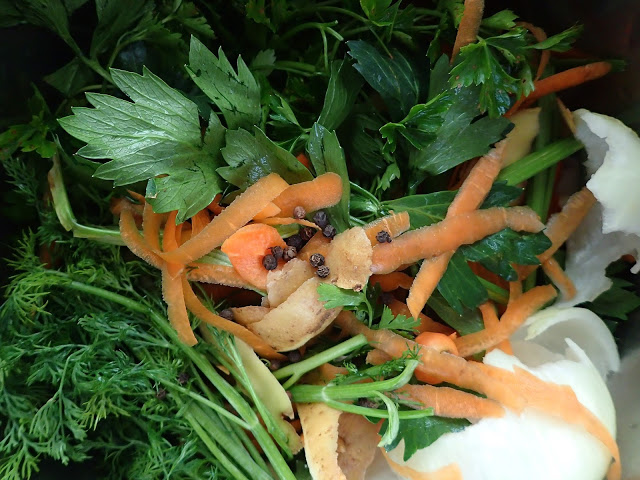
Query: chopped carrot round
(246,249)
(438,342)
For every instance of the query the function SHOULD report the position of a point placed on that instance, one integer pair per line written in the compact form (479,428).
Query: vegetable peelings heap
(331,247)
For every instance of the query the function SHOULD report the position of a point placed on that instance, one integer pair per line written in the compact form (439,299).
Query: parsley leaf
(490,63)
(341,297)
(498,251)
(469,321)
(237,95)
(460,287)
(419,433)
(251,157)
(459,138)
(344,85)
(365,146)
(617,302)
(393,78)
(398,322)
(115,18)
(560,42)
(156,134)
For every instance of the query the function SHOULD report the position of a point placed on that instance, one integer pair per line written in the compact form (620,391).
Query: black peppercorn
(367,403)
(316,260)
(183,378)
(323,271)
(329,231)
(386,298)
(320,218)
(299,212)
(161,394)
(306,233)
(227,314)
(289,253)
(294,356)
(269,262)
(295,241)
(277,252)
(383,237)
(274,365)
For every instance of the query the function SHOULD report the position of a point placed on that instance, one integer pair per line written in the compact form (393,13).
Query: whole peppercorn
(323,271)
(306,233)
(294,356)
(277,252)
(386,298)
(227,314)
(320,218)
(299,212)
(329,231)
(161,394)
(183,378)
(274,365)
(295,241)
(289,253)
(383,237)
(367,403)
(269,262)
(316,260)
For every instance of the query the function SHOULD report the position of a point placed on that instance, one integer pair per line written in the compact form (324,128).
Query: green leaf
(115,18)
(469,321)
(251,157)
(380,12)
(503,20)
(51,14)
(344,85)
(393,78)
(617,302)
(237,95)
(326,155)
(340,297)
(189,16)
(439,77)
(263,61)
(424,209)
(498,251)
(398,323)
(562,41)
(71,78)
(459,138)
(460,287)
(364,145)
(490,63)
(419,433)
(501,195)
(156,134)
(10,14)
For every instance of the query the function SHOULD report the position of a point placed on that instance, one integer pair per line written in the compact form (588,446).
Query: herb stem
(297,370)
(496,293)
(377,413)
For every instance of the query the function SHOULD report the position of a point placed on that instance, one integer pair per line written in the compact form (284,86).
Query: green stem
(376,413)
(496,293)
(324,393)
(297,370)
(536,162)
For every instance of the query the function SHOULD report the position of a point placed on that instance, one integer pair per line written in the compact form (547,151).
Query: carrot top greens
(265,159)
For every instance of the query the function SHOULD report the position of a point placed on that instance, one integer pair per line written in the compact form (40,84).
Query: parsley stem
(297,370)
(377,413)
(536,162)
(323,393)
(496,293)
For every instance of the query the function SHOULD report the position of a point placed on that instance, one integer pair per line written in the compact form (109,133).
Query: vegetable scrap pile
(341,226)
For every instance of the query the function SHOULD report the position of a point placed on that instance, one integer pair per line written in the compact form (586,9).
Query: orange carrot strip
(540,36)
(394,224)
(426,281)
(516,314)
(241,211)
(137,197)
(134,241)
(199,221)
(491,322)
(304,160)
(469,26)
(515,390)
(151,222)
(323,191)
(117,205)
(317,244)
(561,225)
(176,310)
(515,291)
(452,403)
(216,274)
(194,304)
(271,210)
(559,278)
(448,472)
(427,324)
(391,281)
(169,236)
(246,249)
(288,221)
(215,207)
(449,234)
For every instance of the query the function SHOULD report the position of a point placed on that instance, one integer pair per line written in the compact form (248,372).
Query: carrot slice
(241,211)
(194,304)
(391,281)
(469,26)
(134,241)
(559,278)
(199,221)
(427,324)
(516,314)
(451,233)
(394,224)
(323,191)
(452,403)
(216,274)
(271,210)
(246,249)
(176,308)
(288,221)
